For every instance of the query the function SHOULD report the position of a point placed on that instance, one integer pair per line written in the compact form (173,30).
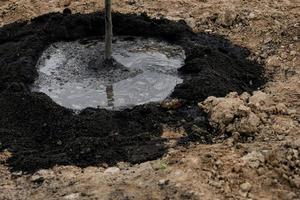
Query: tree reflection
(110,95)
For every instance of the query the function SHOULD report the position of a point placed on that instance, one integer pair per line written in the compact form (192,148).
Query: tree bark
(108,30)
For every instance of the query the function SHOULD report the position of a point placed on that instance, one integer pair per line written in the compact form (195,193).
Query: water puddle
(66,76)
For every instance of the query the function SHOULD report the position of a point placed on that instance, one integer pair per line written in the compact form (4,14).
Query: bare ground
(264,167)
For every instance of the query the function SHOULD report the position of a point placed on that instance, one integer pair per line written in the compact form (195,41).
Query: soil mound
(247,115)
(40,133)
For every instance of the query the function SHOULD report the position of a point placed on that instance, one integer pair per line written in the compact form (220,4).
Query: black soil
(41,134)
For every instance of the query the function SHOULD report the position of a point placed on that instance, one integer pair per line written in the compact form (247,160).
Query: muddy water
(67,73)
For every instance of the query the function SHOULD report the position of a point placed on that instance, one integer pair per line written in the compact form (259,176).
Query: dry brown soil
(266,167)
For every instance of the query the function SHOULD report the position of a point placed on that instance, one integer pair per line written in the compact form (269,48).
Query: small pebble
(112,170)
(37,179)
(72,196)
(293,53)
(163,182)
(251,16)
(246,187)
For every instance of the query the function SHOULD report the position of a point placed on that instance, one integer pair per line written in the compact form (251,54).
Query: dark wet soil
(41,133)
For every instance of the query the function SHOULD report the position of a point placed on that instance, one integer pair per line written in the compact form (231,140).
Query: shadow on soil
(41,134)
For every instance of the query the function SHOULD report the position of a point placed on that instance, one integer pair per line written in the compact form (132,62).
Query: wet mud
(41,134)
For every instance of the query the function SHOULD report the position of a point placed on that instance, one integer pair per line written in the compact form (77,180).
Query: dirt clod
(246,187)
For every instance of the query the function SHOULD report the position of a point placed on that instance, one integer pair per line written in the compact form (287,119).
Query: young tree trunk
(108,30)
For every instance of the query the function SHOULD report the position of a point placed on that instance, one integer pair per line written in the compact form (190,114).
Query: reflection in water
(65,76)
(110,95)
